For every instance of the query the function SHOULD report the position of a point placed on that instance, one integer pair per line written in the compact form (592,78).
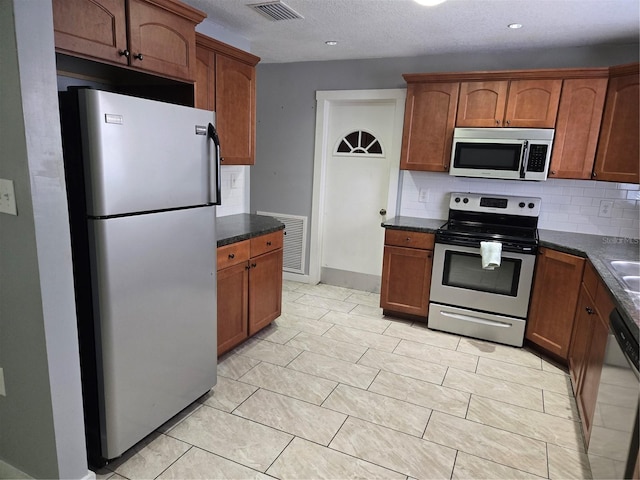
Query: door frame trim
(324,100)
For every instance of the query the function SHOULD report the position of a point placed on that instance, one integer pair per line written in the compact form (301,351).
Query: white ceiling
(402,28)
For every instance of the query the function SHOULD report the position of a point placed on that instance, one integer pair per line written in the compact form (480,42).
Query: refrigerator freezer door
(142,155)
(155,304)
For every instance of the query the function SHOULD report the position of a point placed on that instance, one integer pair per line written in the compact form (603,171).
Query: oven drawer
(486,326)
(406,238)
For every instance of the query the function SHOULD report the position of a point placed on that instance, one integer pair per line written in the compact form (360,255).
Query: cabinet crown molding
(226,49)
(537,74)
(181,9)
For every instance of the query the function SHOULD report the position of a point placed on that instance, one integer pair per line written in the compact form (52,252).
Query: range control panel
(491,203)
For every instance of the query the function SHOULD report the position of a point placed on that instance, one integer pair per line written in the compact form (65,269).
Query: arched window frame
(361,146)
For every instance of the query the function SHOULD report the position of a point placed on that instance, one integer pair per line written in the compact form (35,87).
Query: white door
(362,133)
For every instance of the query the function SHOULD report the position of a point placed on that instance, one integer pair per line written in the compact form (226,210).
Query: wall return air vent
(276,10)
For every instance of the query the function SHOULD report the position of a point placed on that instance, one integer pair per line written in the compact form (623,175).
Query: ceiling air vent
(276,10)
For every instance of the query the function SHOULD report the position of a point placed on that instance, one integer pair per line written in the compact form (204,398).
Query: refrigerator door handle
(215,165)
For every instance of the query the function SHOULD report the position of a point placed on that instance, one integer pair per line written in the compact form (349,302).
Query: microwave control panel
(537,157)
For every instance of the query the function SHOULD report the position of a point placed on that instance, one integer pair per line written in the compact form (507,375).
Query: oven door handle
(482,321)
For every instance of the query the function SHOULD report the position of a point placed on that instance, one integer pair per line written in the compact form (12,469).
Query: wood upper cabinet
(156,36)
(429,120)
(515,103)
(553,302)
(226,83)
(577,127)
(618,146)
(406,272)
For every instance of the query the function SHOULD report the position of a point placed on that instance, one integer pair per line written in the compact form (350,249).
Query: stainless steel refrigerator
(143,184)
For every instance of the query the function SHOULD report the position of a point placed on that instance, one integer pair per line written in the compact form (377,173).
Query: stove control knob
(465,200)
(531,205)
(457,200)
(521,204)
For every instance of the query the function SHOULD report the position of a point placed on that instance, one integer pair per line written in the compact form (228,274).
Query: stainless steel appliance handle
(214,166)
(482,321)
(524,161)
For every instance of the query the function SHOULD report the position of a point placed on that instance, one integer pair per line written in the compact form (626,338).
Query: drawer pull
(268,244)
(232,255)
(589,310)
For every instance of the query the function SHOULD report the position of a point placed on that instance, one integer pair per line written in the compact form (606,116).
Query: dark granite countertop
(243,226)
(600,250)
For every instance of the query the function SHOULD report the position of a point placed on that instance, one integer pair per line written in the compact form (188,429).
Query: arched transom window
(359,143)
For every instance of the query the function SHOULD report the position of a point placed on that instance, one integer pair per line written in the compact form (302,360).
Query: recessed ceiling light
(515,26)
(429,3)
(331,42)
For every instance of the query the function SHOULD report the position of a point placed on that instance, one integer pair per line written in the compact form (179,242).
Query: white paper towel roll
(491,253)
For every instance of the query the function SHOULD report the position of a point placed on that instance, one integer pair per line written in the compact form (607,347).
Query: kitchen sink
(627,273)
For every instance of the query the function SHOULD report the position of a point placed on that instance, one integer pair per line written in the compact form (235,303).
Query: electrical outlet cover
(7,197)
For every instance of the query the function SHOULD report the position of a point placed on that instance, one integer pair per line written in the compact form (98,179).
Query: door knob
(383,211)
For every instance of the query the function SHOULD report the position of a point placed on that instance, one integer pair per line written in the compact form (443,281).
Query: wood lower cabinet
(588,345)
(429,120)
(619,143)
(577,128)
(153,36)
(553,301)
(249,288)
(406,272)
(226,83)
(516,103)
(233,306)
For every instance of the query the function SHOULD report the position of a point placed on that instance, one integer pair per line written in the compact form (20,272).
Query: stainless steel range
(483,264)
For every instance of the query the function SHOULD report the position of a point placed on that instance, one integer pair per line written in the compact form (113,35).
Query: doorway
(355,187)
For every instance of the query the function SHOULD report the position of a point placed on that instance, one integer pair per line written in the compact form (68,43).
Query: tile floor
(333,389)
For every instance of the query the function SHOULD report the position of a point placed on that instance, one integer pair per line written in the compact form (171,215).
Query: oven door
(458,279)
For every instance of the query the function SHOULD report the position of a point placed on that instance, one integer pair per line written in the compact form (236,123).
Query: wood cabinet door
(553,303)
(406,280)
(161,41)
(592,370)
(265,290)
(580,338)
(482,104)
(205,86)
(235,110)
(92,28)
(532,103)
(577,128)
(233,306)
(429,120)
(618,147)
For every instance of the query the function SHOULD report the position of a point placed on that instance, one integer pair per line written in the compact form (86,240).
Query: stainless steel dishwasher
(613,448)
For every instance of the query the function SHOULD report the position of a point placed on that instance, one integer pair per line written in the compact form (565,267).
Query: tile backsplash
(582,206)
(234,184)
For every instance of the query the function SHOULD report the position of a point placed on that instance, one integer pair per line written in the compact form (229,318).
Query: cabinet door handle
(508,122)
(268,244)
(589,310)
(138,56)
(247,267)
(232,255)
(254,265)
(124,53)
(497,122)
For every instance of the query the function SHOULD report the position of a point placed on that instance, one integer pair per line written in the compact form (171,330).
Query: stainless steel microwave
(509,153)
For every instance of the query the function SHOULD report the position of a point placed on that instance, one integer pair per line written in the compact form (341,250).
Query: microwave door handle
(524,161)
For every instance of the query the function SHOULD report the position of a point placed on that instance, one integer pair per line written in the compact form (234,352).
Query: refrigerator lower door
(154,281)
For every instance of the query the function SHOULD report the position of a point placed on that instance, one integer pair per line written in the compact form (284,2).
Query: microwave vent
(276,10)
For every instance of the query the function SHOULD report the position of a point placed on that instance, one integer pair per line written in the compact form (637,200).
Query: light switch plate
(7,197)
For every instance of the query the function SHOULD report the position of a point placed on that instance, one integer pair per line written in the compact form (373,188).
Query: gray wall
(41,424)
(282,178)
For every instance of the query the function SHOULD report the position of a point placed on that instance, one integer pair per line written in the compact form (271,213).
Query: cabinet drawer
(266,243)
(233,254)
(590,279)
(405,238)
